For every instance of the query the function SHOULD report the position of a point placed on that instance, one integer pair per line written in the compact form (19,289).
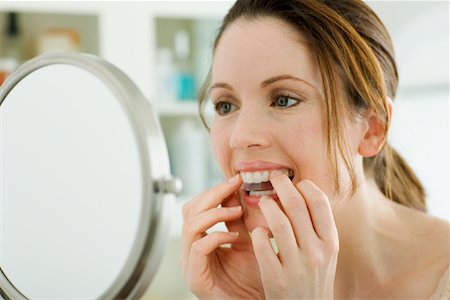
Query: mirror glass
(71,184)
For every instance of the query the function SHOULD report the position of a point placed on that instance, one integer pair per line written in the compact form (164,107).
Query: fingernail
(235,208)
(276,173)
(233,233)
(234,179)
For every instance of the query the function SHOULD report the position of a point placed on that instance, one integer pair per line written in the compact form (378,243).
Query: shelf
(34,25)
(183,47)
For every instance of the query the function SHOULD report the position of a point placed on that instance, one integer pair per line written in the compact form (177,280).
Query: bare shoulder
(431,235)
(429,248)
(437,238)
(433,231)
(423,224)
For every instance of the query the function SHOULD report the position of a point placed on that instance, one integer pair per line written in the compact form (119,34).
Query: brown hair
(353,48)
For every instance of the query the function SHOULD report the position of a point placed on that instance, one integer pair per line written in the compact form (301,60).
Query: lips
(256,175)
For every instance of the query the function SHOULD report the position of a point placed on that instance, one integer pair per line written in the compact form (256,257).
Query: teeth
(262,193)
(258,177)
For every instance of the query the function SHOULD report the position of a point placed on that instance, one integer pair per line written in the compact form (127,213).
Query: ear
(374,134)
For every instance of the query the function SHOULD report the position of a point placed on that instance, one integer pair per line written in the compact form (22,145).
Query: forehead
(255,49)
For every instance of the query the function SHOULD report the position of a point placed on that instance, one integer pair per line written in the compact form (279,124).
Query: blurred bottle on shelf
(185,84)
(58,39)
(11,50)
(166,75)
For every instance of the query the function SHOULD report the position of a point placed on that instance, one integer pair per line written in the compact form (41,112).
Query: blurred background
(165,48)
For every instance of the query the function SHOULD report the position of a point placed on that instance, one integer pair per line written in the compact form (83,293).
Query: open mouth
(258,184)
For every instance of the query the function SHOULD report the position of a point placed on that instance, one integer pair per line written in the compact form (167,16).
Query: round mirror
(84,179)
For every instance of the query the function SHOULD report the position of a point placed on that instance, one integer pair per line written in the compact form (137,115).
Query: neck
(368,230)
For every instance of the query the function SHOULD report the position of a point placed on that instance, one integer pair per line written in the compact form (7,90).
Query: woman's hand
(307,240)
(212,271)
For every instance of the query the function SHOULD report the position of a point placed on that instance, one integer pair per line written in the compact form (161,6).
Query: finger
(186,244)
(295,208)
(213,197)
(209,218)
(202,248)
(194,228)
(207,200)
(243,242)
(231,200)
(280,227)
(268,262)
(320,210)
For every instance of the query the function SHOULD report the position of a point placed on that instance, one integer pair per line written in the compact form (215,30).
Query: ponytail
(396,179)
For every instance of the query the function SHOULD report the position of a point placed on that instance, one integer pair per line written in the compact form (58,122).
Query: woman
(302,93)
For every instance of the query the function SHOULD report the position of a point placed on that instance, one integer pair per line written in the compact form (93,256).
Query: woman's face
(271,113)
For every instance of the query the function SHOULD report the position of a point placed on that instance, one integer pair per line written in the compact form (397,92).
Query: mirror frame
(159,187)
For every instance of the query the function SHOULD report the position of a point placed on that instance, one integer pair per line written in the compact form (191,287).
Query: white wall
(420,129)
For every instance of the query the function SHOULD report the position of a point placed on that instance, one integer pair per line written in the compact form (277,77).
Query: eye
(284,101)
(224,108)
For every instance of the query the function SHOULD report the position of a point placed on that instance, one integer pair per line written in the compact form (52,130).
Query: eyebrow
(221,85)
(284,77)
(265,83)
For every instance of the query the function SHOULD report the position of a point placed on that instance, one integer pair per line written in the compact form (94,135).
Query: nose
(249,131)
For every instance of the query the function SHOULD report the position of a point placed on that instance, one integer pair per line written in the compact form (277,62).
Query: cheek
(219,143)
(309,152)
(305,141)
(306,145)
